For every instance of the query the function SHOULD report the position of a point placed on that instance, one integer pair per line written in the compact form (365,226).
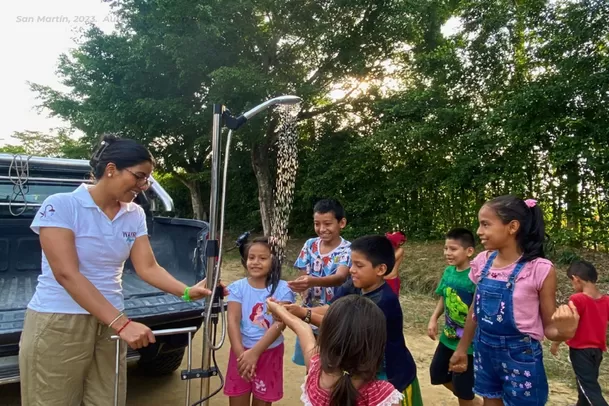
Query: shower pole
(221,117)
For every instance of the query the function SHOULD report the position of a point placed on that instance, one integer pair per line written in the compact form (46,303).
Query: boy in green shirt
(456,293)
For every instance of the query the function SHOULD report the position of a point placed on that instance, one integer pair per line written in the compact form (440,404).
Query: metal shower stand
(221,117)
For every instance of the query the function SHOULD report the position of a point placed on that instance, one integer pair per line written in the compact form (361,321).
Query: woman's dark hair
(352,340)
(122,152)
(274,275)
(531,234)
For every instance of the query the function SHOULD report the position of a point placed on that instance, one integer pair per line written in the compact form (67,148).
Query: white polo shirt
(102,245)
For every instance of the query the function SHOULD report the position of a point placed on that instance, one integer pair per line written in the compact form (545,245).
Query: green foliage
(37,143)
(515,101)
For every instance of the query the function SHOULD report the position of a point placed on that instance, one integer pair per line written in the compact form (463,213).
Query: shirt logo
(129,236)
(48,212)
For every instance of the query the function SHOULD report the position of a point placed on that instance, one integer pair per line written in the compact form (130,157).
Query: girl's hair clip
(98,154)
(530,203)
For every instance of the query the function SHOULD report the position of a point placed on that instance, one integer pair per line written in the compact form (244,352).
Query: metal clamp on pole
(157,333)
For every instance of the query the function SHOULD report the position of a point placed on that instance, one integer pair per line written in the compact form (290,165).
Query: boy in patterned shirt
(323,262)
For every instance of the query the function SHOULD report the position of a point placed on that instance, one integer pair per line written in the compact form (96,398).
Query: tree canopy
(514,101)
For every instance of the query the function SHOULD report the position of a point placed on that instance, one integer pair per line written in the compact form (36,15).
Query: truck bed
(173,242)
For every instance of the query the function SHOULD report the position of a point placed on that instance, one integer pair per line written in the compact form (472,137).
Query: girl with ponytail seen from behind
(514,306)
(343,364)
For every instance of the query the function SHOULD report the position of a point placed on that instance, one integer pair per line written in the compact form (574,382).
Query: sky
(33,33)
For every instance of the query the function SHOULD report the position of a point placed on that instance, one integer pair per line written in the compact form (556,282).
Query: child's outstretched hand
(275,308)
(566,320)
(555,348)
(300,284)
(432,329)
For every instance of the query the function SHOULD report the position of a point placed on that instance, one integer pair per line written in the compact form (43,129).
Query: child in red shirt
(586,347)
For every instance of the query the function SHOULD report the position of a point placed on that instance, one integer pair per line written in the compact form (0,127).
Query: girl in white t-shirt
(255,365)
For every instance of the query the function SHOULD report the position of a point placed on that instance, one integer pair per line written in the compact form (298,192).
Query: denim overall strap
(495,302)
(489,263)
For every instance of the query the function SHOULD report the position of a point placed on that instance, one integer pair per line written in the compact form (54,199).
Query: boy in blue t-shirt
(323,261)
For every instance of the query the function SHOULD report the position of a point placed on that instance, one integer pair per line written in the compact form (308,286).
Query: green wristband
(186,295)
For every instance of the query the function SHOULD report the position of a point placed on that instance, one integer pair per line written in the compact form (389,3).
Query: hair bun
(109,138)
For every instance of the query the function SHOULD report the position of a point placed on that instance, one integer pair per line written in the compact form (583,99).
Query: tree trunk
(261,166)
(196,198)
(198,209)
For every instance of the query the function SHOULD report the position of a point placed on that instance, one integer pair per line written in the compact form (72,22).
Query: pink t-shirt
(527,312)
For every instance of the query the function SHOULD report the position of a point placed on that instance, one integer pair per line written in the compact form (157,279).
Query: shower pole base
(199,373)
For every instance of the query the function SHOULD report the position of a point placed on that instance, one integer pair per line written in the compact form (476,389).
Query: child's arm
(249,358)
(305,282)
(234,329)
(555,347)
(559,324)
(432,327)
(302,329)
(399,256)
(317,313)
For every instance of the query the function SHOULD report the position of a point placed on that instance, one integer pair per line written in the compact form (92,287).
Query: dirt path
(171,390)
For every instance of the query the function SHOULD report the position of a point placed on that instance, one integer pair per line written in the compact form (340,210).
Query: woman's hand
(137,335)
(199,291)
(246,364)
(458,362)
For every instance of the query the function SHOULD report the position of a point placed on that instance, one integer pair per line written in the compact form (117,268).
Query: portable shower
(215,306)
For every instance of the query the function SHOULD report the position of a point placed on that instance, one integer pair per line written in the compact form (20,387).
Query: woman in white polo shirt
(66,357)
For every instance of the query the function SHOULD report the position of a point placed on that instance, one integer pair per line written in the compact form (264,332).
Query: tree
(156,78)
(55,146)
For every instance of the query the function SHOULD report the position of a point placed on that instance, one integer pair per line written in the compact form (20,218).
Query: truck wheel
(164,363)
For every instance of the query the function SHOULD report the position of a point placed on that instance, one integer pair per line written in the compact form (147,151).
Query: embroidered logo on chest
(129,236)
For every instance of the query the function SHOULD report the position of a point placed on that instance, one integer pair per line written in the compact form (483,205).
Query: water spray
(215,309)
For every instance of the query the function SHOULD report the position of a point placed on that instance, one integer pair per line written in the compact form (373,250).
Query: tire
(165,363)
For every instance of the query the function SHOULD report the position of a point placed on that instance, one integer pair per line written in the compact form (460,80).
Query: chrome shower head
(271,102)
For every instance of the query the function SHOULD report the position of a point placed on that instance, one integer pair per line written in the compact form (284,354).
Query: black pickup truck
(178,244)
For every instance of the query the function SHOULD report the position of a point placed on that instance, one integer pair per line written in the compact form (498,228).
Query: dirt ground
(170,390)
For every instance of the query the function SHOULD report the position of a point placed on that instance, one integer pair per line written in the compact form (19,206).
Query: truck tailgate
(142,302)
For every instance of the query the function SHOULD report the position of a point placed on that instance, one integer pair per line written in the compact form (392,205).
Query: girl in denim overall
(513,307)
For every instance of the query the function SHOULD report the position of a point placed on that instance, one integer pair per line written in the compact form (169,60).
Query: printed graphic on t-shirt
(257,317)
(456,309)
(47,211)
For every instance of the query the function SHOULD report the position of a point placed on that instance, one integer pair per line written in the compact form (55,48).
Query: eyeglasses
(142,181)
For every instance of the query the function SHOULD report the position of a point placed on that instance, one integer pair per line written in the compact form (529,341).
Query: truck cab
(178,244)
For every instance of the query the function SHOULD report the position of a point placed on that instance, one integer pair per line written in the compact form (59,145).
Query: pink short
(267,385)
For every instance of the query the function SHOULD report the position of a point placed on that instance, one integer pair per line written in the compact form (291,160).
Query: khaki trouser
(68,360)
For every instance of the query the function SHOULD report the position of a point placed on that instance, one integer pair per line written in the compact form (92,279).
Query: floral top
(320,265)
(375,393)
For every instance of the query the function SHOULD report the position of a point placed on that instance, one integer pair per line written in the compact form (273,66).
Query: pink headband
(530,203)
